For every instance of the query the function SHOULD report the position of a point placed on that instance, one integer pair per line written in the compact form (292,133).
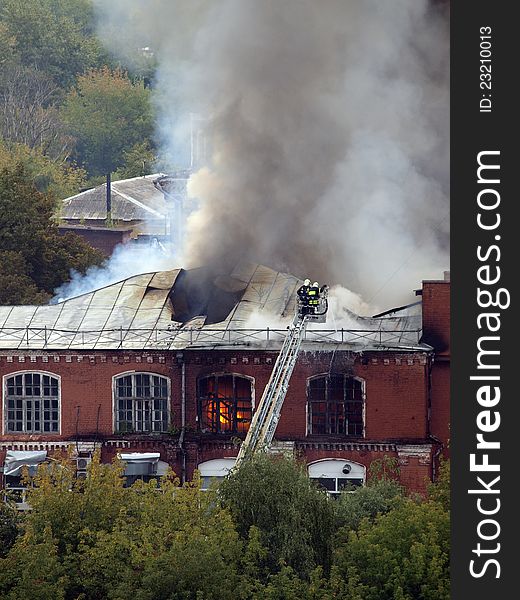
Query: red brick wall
(440,398)
(396,387)
(436,315)
(396,399)
(436,332)
(86,382)
(102,239)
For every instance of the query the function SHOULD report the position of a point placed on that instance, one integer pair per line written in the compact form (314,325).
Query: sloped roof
(138,313)
(135,199)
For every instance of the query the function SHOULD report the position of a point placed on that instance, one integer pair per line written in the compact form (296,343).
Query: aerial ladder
(311,306)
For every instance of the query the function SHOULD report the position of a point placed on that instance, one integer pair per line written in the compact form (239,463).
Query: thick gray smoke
(328,123)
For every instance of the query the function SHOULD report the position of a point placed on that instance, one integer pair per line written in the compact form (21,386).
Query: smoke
(126,260)
(329,129)
(344,308)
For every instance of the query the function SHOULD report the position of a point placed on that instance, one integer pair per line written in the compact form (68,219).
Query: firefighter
(314,297)
(303,295)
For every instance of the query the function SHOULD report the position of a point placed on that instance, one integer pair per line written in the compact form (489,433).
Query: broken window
(32,403)
(225,403)
(141,403)
(336,405)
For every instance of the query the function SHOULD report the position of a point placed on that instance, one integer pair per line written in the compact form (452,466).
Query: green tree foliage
(53,36)
(440,490)
(404,555)
(60,179)
(94,539)
(138,161)
(102,540)
(294,517)
(9,528)
(377,498)
(7,46)
(36,259)
(108,114)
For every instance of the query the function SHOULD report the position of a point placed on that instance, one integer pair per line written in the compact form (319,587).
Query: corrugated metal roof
(137,313)
(134,199)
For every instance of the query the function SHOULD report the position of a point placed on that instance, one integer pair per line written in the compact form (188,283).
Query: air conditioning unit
(82,464)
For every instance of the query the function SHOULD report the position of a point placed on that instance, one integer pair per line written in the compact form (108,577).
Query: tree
(16,286)
(52,36)
(7,46)
(379,497)
(38,258)
(9,528)
(95,538)
(440,491)
(108,114)
(32,570)
(382,493)
(294,518)
(103,540)
(404,554)
(138,161)
(27,114)
(60,179)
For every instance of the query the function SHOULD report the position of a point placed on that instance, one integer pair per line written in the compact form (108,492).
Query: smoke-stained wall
(329,131)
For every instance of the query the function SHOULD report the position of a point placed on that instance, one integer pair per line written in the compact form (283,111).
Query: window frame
(115,399)
(336,493)
(221,467)
(5,398)
(308,404)
(200,418)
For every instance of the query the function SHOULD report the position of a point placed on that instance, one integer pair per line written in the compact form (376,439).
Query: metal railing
(207,337)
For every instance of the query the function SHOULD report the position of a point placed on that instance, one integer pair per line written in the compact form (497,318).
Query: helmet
(307,282)
(315,284)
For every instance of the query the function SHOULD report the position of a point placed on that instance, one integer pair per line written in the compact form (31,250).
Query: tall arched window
(336,405)
(225,403)
(32,403)
(141,403)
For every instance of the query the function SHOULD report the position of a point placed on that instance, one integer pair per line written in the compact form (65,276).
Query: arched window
(141,403)
(336,405)
(215,470)
(336,475)
(32,403)
(225,403)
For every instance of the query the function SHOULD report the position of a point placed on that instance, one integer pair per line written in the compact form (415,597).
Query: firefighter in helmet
(303,295)
(314,297)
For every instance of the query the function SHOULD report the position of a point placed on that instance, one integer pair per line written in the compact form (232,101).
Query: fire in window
(336,406)
(225,403)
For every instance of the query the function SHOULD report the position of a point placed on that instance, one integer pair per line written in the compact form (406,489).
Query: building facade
(185,399)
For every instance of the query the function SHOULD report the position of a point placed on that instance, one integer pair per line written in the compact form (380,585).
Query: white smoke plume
(329,131)
(343,309)
(126,260)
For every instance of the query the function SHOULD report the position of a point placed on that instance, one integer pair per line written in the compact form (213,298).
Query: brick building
(167,368)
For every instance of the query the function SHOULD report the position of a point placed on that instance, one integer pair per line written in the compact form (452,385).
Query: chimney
(109,199)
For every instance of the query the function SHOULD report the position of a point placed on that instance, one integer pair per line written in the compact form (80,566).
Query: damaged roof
(135,199)
(173,310)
